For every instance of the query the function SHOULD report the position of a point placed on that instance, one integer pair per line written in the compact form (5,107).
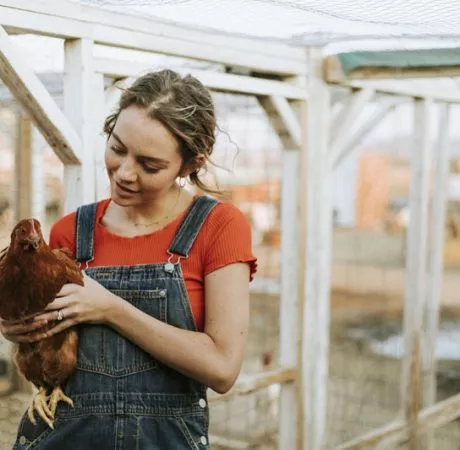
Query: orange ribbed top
(224,239)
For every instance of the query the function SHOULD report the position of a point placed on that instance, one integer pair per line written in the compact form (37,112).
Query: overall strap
(191,225)
(84,235)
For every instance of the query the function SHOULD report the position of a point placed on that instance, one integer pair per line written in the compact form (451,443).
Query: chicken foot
(56,396)
(40,404)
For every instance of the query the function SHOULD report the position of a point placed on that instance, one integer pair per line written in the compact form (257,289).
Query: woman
(164,309)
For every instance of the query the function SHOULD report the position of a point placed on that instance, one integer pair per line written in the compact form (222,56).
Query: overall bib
(123,398)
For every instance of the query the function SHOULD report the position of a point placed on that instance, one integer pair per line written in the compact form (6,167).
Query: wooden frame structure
(291,84)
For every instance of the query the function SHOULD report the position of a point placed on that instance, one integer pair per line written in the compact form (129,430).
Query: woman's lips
(125,190)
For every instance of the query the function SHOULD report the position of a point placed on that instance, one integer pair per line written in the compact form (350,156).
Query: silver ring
(59,316)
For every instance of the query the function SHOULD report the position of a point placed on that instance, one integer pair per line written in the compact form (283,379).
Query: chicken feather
(31,274)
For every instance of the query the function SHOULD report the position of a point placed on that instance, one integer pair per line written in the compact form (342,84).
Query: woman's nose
(126,172)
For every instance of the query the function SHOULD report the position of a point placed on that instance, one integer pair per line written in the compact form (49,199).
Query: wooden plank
(342,131)
(99,139)
(283,120)
(69,20)
(316,206)
(23,168)
(444,90)
(78,105)
(38,176)
(399,431)
(411,386)
(35,99)
(435,257)
(289,298)
(217,81)
(351,140)
(247,384)
(227,443)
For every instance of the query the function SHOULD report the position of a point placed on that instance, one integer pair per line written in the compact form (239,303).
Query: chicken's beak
(32,241)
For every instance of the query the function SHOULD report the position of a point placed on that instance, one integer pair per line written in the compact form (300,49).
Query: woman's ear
(194,166)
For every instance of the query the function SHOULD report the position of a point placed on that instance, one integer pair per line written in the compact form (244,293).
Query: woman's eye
(151,170)
(119,151)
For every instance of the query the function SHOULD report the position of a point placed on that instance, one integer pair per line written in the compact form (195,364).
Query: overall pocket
(104,351)
(30,435)
(178,432)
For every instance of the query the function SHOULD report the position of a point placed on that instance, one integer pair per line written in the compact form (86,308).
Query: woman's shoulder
(227,238)
(62,233)
(224,213)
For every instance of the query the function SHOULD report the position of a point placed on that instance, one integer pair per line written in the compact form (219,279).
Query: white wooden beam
(342,130)
(435,262)
(351,140)
(79,107)
(217,81)
(316,212)
(67,19)
(99,139)
(289,299)
(397,432)
(250,383)
(35,99)
(443,90)
(284,120)
(415,291)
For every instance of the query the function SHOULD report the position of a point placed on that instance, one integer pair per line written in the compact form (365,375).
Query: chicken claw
(39,404)
(56,396)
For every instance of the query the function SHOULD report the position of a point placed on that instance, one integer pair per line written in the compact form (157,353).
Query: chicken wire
(303,20)
(368,288)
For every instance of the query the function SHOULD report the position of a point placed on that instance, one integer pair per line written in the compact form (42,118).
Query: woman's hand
(18,332)
(74,304)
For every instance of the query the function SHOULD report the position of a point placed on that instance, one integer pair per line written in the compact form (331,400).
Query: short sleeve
(228,240)
(62,233)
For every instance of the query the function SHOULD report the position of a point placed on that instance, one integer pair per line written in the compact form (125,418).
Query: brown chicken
(31,274)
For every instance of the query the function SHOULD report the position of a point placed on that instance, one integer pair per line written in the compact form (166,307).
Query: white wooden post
(289,306)
(316,209)
(435,262)
(284,118)
(79,106)
(411,385)
(99,140)
(352,138)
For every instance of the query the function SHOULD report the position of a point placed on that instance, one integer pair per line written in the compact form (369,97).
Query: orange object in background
(373,190)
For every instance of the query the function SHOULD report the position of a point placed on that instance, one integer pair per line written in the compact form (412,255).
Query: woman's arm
(213,357)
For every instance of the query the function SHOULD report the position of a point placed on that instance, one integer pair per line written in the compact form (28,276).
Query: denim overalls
(123,398)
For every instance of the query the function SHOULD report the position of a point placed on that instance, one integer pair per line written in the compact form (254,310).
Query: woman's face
(142,158)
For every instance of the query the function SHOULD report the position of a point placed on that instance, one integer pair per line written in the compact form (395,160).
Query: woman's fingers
(60,326)
(67,289)
(15,330)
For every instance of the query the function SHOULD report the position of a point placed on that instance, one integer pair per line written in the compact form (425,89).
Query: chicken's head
(27,235)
